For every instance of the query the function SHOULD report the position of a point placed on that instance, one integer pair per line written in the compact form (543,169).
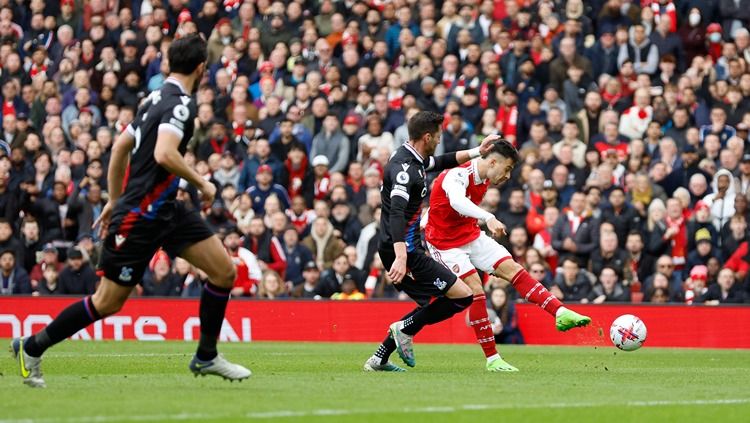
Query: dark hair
(635,232)
(424,123)
(186,54)
(570,259)
(616,188)
(504,148)
(298,147)
(612,268)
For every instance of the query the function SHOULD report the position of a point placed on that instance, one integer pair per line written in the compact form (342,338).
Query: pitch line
(341,412)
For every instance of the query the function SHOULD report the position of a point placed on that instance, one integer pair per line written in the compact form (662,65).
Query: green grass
(127,381)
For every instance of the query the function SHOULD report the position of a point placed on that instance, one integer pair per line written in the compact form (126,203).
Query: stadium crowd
(632,120)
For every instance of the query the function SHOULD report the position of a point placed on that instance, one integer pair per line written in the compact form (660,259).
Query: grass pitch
(128,381)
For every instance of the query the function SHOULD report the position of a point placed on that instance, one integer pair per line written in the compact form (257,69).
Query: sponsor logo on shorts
(440,284)
(119,240)
(126,274)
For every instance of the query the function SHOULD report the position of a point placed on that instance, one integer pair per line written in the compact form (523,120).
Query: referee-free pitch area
(137,382)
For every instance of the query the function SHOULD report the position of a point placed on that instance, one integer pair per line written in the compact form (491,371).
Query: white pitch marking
(410,410)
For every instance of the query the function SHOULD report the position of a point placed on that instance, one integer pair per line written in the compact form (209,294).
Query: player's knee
(475,284)
(460,290)
(225,277)
(507,269)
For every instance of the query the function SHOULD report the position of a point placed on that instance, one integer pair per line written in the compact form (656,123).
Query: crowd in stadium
(631,118)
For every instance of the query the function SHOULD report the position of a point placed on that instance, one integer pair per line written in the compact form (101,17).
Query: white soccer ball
(628,332)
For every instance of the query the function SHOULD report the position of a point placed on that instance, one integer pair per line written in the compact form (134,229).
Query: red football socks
(480,322)
(534,292)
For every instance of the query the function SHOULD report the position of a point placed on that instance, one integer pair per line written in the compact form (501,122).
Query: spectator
(159,281)
(575,234)
(664,269)
(77,278)
(725,291)
(250,167)
(218,142)
(266,248)
(640,265)
(14,278)
(345,222)
(311,279)
(515,214)
(297,255)
(502,314)
(31,243)
(703,251)
(349,290)
(228,173)
(272,286)
(332,143)
(718,126)
(280,149)
(324,246)
(322,182)
(264,188)
(695,284)
(608,255)
(573,284)
(621,214)
(568,57)
(609,288)
(540,272)
(333,278)
(721,200)
(245,263)
(48,285)
(640,51)
(735,236)
(9,242)
(667,42)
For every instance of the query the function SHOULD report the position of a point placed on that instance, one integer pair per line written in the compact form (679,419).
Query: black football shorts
(425,278)
(132,241)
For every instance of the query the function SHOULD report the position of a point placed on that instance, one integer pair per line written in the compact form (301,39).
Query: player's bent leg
(107,300)
(209,255)
(533,291)
(110,297)
(456,298)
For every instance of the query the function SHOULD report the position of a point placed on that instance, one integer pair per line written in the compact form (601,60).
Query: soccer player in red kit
(455,240)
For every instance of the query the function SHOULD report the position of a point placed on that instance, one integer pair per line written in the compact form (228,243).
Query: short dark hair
(635,232)
(185,54)
(617,188)
(424,123)
(504,148)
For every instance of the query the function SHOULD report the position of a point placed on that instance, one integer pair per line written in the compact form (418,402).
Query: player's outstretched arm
(167,155)
(451,160)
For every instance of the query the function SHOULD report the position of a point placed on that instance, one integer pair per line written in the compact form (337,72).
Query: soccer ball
(628,332)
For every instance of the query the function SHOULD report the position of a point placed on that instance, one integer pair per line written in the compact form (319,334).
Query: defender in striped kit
(143,215)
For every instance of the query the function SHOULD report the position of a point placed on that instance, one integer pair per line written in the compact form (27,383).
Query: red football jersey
(446,228)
